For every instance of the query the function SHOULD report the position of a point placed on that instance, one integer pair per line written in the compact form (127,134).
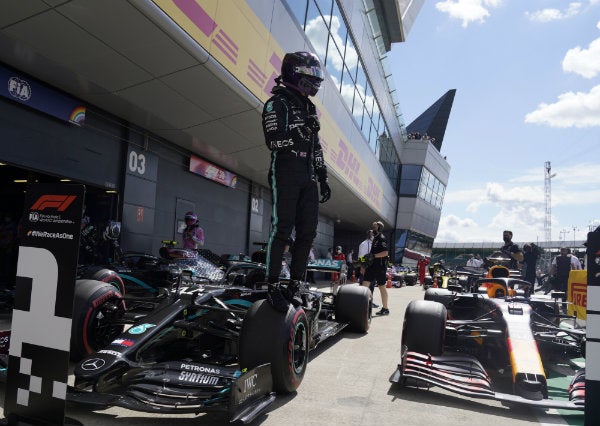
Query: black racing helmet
(302,71)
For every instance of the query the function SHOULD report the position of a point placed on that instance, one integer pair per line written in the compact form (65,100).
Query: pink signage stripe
(253,78)
(223,42)
(229,41)
(224,50)
(253,67)
(197,15)
(275,61)
(256,75)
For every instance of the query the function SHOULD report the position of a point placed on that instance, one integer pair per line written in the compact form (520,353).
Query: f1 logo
(58,202)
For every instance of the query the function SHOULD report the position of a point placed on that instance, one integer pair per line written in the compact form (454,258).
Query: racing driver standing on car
(291,128)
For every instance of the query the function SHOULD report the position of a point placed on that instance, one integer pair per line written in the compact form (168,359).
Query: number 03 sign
(38,361)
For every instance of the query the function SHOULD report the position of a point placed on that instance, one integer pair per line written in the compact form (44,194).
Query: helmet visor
(314,71)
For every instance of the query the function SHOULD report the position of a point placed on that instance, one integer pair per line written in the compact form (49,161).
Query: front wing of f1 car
(182,387)
(464,375)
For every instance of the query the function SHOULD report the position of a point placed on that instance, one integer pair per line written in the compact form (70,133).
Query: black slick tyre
(441,295)
(424,327)
(95,304)
(353,305)
(282,339)
(106,275)
(428,283)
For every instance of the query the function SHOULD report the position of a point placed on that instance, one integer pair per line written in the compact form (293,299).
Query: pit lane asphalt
(347,383)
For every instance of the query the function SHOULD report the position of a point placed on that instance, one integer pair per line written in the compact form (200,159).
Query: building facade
(163,104)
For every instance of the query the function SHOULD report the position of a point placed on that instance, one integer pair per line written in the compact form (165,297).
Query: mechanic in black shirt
(291,127)
(511,250)
(377,265)
(560,269)
(531,254)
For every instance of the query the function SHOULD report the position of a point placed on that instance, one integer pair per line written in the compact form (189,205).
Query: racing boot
(294,294)
(276,297)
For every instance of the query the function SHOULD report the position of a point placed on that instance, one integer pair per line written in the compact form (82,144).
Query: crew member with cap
(297,171)
(193,235)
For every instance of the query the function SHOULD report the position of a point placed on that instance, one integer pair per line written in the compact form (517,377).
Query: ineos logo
(93,364)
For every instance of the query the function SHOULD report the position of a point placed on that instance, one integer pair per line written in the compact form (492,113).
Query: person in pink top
(193,235)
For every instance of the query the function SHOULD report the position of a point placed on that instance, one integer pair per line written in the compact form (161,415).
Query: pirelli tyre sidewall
(91,329)
(353,305)
(424,327)
(281,339)
(100,273)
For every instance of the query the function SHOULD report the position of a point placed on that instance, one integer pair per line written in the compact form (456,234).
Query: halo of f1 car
(499,328)
(181,334)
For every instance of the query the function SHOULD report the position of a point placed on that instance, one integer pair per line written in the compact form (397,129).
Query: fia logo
(19,89)
(34,216)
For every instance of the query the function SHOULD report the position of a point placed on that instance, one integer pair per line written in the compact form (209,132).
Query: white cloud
(583,174)
(462,196)
(570,110)
(467,10)
(585,62)
(583,197)
(317,33)
(480,214)
(547,15)
(347,92)
(453,228)
(522,206)
(456,222)
(495,193)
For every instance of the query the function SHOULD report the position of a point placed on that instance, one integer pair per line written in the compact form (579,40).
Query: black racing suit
(296,163)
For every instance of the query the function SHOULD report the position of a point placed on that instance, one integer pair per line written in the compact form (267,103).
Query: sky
(527,80)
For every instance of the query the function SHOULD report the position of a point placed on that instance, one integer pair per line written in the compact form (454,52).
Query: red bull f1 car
(463,342)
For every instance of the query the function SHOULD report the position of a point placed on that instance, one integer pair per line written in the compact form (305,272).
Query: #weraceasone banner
(38,362)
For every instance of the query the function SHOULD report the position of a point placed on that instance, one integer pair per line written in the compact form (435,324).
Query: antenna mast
(548,195)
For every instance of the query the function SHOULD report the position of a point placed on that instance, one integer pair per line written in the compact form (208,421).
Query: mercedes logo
(92,364)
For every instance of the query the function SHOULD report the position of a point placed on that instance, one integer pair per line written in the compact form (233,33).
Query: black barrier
(592,369)
(36,384)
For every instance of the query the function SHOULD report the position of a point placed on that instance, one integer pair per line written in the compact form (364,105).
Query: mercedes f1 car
(204,345)
(143,274)
(459,341)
